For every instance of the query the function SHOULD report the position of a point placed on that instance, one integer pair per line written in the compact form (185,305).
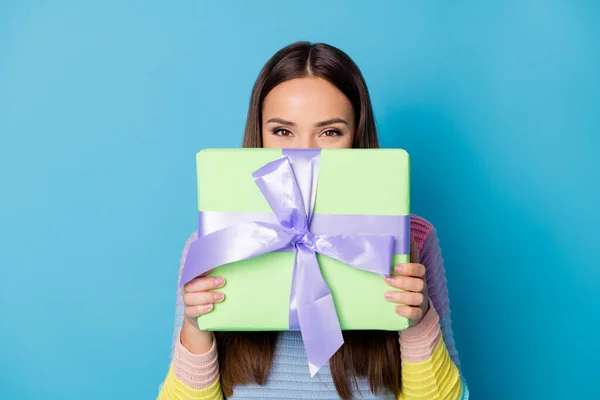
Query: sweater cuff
(418,342)
(197,371)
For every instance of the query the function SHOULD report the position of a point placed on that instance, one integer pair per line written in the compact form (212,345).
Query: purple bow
(290,193)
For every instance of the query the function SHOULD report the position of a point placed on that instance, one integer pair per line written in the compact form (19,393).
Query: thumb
(414,250)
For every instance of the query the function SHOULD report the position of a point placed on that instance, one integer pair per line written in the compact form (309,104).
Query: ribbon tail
(371,253)
(235,243)
(321,332)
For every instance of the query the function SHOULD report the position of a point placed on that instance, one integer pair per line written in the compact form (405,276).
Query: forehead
(306,99)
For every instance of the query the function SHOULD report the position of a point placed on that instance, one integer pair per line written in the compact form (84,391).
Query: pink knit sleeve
(418,342)
(430,255)
(179,306)
(197,371)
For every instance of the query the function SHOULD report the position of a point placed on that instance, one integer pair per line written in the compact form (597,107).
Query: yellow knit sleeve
(174,389)
(434,379)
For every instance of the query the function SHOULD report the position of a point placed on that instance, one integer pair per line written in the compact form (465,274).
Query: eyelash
(279,132)
(335,131)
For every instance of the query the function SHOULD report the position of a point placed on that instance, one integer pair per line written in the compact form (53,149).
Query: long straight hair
(246,357)
(305,60)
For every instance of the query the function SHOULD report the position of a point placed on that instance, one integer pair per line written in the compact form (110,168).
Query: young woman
(314,96)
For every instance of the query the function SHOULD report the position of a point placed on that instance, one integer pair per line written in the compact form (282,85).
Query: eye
(331,133)
(282,132)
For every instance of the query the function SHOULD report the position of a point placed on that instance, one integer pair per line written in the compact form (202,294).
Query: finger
(199,276)
(411,269)
(414,250)
(203,284)
(202,298)
(406,283)
(196,311)
(409,312)
(406,298)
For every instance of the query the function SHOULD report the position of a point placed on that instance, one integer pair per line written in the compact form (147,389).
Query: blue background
(103,106)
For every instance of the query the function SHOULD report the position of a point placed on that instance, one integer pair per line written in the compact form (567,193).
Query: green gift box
(351,182)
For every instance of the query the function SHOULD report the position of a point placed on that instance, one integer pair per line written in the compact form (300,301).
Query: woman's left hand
(413,299)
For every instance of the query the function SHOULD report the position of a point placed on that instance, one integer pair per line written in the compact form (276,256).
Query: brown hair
(301,60)
(246,357)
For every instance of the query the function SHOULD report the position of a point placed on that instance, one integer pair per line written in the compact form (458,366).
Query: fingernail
(219,281)
(389,280)
(400,310)
(219,296)
(207,307)
(400,268)
(389,295)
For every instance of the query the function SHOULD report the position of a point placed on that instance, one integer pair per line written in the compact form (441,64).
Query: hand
(199,299)
(413,298)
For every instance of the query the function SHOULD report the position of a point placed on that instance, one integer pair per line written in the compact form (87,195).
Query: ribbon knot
(290,193)
(306,238)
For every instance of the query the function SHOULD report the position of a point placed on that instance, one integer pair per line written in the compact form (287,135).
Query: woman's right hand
(199,299)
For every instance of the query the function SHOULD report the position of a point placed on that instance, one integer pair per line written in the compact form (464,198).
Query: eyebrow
(318,124)
(280,121)
(331,122)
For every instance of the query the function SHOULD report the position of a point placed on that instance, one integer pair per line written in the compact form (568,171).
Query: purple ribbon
(289,186)
(320,224)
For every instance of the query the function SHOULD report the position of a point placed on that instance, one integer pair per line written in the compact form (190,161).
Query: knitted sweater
(430,365)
